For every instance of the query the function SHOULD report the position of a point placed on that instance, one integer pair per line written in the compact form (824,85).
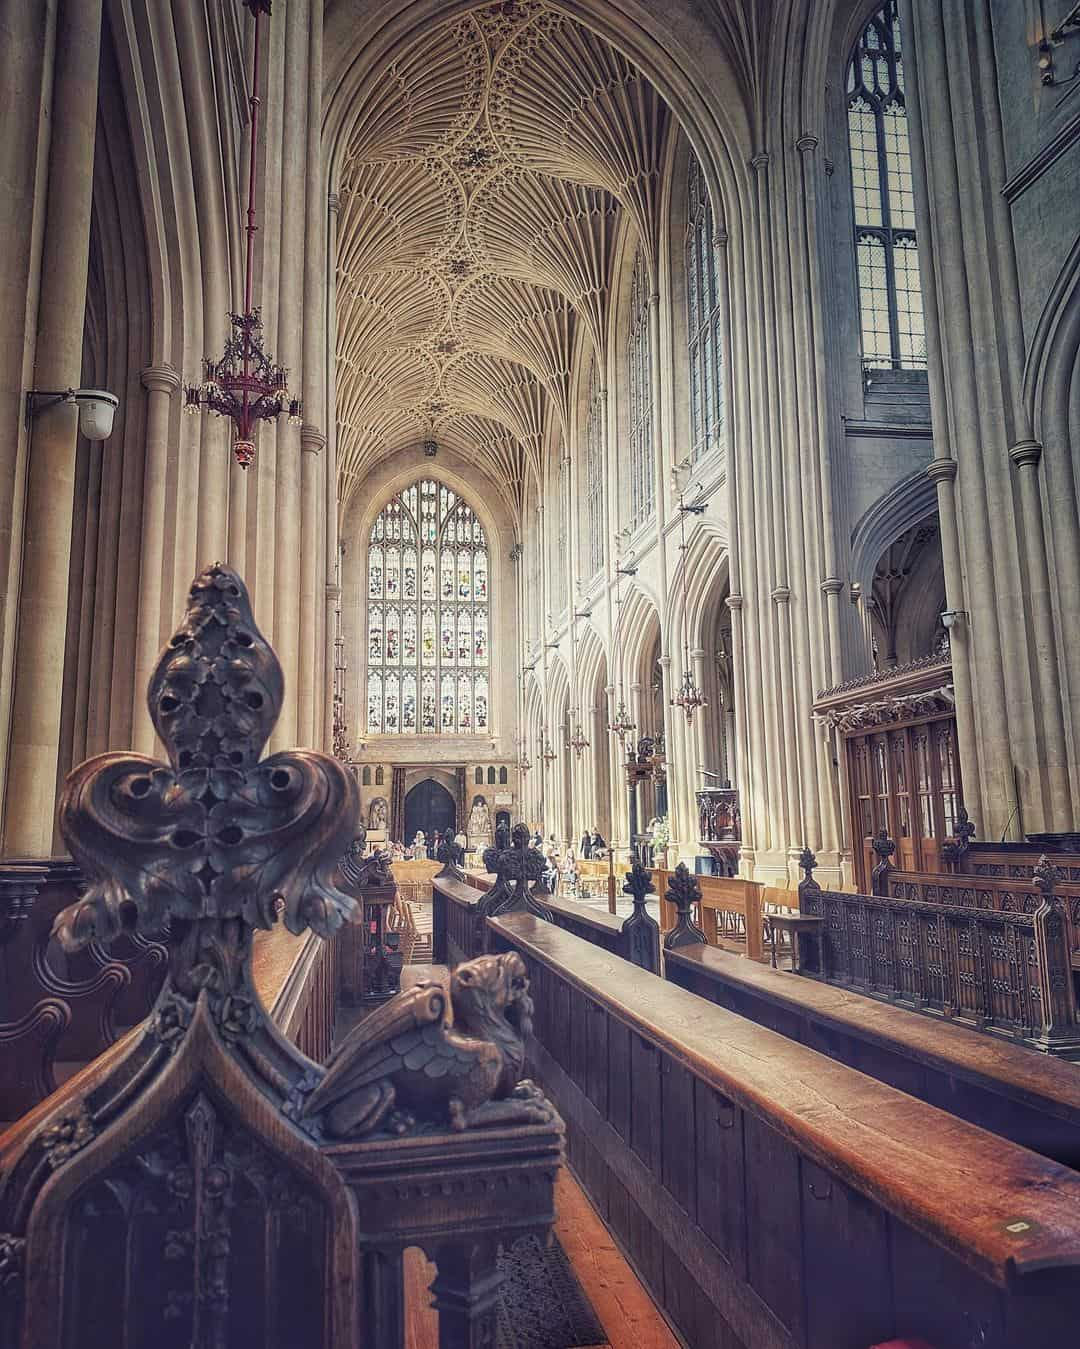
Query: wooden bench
(1030,1099)
(731,909)
(774,1198)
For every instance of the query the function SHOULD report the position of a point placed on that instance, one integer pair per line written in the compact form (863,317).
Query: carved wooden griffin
(406,1063)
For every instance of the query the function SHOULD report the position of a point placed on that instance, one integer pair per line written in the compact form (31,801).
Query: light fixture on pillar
(547,752)
(341,748)
(243,383)
(621,724)
(689,697)
(577,740)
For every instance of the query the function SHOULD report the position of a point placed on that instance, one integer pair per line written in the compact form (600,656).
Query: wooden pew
(731,909)
(770,1197)
(1031,1099)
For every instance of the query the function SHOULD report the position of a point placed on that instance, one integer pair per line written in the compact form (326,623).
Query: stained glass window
(594,475)
(703,319)
(639,352)
(890,296)
(428,615)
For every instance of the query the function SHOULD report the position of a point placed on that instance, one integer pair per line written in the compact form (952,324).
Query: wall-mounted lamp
(952,618)
(97,407)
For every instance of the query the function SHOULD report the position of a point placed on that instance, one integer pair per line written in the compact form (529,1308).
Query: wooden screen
(907,779)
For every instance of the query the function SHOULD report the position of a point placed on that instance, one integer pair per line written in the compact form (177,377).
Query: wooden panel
(596,1056)
(645,1119)
(579,1053)
(677,1134)
(846,1259)
(721,1190)
(773,1222)
(618,1036)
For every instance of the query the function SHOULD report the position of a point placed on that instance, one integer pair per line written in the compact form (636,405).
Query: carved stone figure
(407,1062)
(379,814)
(479,823)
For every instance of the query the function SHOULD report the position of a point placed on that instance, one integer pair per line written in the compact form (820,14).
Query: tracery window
(642,469)
(428,616)
(594,475)
(890,296)
(703,319)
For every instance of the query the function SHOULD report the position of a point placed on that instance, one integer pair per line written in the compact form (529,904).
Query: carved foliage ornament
(215,833)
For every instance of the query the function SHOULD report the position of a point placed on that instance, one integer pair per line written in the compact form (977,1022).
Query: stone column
(312,442)
(160,383)
(1026,454)
(330,476)
(43,602)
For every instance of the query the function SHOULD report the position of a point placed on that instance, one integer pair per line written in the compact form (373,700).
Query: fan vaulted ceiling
(480,197)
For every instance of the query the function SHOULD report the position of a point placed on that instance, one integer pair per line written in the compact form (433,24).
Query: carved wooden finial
(216,833)
(884,847)
(683,891)
(642,932)
(638,885)
(1045,875)
(808,863)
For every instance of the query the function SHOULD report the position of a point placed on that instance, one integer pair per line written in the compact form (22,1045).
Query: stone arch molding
(482,181)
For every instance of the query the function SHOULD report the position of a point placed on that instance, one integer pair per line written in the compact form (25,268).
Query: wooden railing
(987,893)
(773,1198)
(995,970)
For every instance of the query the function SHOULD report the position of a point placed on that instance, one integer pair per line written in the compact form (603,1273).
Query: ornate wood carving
(180,1193)
(519,871)
(640,931)
(683,891)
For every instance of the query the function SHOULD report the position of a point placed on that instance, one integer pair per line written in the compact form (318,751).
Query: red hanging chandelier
(243,383)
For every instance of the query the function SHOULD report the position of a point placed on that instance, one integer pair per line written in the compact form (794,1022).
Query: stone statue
(479,823)
(378,814)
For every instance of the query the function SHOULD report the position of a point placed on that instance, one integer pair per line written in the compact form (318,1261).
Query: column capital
(160,379)
(333,201)
(664,662)
(333,592)
(832,585)
(734,601)
(698,652)
(760,160)
(807,141)
(1026,453)
(312,439)
(941,470)
(781,594)
(720,239)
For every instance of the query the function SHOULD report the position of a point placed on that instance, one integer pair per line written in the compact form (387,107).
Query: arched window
(479,777)
(379,776)
(502,777)
(366,776)
(428,616)
(890,297)
(703,319)
(594,475)
(642,495)
(491,776)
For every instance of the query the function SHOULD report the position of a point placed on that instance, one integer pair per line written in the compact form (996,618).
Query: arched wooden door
(429,807)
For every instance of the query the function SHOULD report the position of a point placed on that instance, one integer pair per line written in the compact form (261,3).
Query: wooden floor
(627,1313)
